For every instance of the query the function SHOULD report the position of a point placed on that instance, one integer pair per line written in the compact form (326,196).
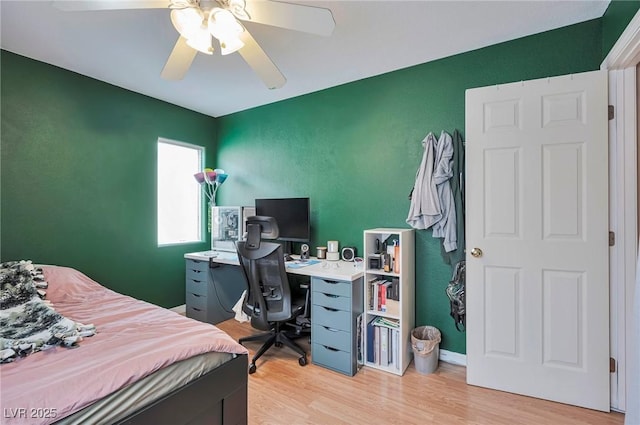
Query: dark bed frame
(218,397)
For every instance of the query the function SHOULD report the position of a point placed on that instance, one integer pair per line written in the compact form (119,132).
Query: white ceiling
(128,48)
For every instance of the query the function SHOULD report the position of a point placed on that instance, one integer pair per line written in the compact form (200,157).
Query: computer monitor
(292,216)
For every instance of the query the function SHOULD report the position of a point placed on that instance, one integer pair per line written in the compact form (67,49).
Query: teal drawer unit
(329,357)
(335,307)
(212,290)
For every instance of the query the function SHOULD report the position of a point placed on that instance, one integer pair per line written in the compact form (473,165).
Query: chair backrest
(269,294)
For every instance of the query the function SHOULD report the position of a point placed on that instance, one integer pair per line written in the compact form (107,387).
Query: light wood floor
(283,392)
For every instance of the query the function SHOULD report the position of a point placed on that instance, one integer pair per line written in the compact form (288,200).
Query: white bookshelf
(389,350)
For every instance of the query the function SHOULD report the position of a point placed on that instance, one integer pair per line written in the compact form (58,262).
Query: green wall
(615,20)
(79,177)
(78,159)
(354,149)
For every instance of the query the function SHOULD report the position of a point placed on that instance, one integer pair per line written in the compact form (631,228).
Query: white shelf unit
(398,343)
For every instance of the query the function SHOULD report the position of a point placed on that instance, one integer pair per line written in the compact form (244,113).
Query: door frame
(621,63)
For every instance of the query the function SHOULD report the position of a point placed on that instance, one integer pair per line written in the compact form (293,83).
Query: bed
(144,365)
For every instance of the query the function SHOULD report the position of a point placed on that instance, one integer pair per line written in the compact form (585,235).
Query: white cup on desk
(332,251)
(332,246)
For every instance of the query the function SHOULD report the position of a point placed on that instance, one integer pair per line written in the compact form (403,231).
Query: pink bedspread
(133,340)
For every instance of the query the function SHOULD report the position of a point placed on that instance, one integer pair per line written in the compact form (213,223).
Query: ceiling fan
(200,21)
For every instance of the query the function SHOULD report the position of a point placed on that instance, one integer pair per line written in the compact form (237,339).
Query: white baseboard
(453,357)
(180,309)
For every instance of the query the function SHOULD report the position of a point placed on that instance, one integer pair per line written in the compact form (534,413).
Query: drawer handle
(331,329)
(330,348)
(332,282)
(329,308)
(330,295)
(196,281)
(196,295)
(196,271)
(196,309)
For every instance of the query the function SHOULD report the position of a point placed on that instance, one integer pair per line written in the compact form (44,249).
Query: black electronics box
(375,261)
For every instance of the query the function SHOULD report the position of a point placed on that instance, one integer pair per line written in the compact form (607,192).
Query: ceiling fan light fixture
(187,21)
(238,8)
(201,41)
(223,25)
(230,45)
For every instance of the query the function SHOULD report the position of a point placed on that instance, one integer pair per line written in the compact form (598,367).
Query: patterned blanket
(27,322)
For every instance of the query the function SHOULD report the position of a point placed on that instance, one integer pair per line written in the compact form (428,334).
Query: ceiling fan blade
(179,61)
(261,64)
(314,20)
(77,6)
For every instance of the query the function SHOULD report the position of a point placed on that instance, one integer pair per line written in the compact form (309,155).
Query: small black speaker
(349,253)
(304,252)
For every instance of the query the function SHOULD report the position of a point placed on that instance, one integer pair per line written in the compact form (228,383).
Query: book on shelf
(393,307)
(376,344)
(359,340)
(372,300)
(383,342)
(383,288)
(386,322)
(396,349)
(369,342)
(390,344)
(381,291)
(384,345)
(395,289)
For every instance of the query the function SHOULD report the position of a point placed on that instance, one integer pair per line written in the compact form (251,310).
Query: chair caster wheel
(278,344)
(302,361)
(252,368)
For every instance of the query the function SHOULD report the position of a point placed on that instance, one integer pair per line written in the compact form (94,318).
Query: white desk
(336,301)
(339,270)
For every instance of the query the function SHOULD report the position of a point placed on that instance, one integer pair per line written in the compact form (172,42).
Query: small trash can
(425,341)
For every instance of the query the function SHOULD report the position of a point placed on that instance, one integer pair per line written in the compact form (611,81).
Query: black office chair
(268,302)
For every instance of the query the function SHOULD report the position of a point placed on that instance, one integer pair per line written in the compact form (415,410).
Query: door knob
(476,252)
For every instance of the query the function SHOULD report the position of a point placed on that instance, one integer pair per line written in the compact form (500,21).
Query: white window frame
(201,152)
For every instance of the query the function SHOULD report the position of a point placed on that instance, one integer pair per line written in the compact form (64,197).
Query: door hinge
(611,113)
(612,364)
(612,238)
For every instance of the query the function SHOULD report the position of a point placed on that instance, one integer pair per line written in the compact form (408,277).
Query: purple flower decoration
(199,177)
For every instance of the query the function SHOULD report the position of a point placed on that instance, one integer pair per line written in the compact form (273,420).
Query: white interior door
(537,208)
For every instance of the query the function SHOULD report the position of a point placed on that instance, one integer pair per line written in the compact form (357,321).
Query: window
(179,195)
